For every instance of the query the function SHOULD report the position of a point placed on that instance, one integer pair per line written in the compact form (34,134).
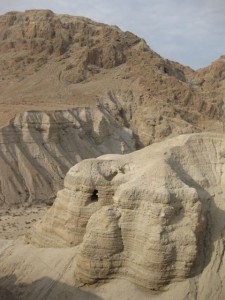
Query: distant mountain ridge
(51,63)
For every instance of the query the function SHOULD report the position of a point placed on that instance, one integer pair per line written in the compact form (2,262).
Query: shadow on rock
(42,289)
(211,213)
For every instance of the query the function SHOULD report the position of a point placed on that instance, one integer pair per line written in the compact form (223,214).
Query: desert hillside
(154,217)
(51,61)
(112,164)
(72,88)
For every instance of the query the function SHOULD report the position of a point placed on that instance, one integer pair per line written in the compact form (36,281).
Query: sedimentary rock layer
(51,62)
(145,215)
(38,148)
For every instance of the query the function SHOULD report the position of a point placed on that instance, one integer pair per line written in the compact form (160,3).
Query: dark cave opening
(94,196)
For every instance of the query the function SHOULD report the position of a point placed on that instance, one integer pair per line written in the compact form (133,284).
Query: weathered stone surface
(144,215)
(52,62)
(38,148)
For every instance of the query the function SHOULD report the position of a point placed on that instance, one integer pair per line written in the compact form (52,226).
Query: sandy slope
(48,274)
(14,222)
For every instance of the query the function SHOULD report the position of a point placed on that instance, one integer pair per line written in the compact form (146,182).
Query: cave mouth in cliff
(94,196)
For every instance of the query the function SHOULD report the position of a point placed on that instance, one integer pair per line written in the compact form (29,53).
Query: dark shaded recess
(206,242)
(94,196)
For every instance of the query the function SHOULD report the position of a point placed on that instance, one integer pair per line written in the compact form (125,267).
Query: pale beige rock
(52,62)
(143,216)
(38,148)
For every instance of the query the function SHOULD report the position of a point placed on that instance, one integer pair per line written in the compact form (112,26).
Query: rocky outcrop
(48,59)
(38,148)
(211,81)
(150,216)
(50,65)
(155,216)
(37,36)
(54,62)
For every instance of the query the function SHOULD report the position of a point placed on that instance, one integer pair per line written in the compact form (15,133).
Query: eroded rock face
(48,60)
(143,215)
(38,148)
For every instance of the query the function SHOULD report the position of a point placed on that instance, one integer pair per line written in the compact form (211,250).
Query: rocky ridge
(153,216)
(67,60)
(38,148)
(51,63)
(73,89)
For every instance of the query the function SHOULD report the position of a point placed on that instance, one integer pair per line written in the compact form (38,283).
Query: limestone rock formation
(51,63)
(150,216)
(38,148)
(53,60)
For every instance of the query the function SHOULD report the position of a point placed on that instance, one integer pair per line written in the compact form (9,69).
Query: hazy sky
(188,31)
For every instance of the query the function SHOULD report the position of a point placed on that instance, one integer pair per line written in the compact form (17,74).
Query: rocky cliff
(51,63)
(48,59)
(74,89)
(38,148)
(153,216)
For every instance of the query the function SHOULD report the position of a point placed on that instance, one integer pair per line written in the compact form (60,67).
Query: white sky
(187,31)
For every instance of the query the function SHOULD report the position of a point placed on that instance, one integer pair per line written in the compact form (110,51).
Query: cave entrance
(94,196)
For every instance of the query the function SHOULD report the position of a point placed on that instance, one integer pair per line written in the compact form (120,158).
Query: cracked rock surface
(155,216)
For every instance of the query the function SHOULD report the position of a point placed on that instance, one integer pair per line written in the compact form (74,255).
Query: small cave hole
(94,196)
